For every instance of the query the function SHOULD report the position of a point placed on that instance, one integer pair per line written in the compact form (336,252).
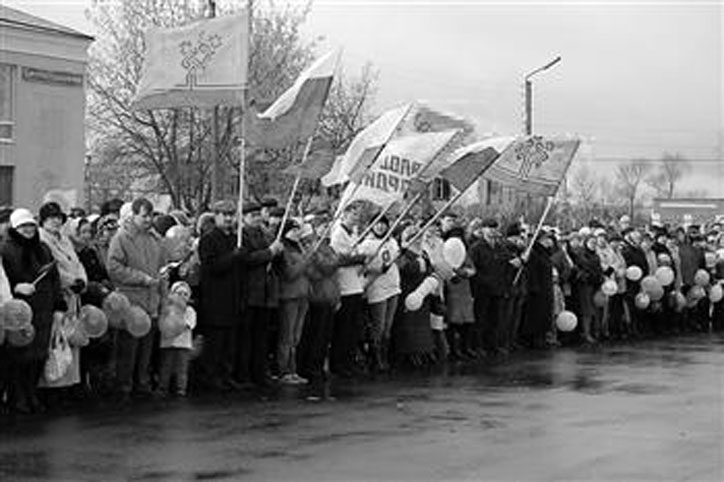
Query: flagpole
(242,143)
(537,231)
(371,225)
(437,216)
(343,206)
(297,181)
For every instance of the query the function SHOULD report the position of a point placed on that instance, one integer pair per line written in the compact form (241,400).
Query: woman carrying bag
(73,281)
(33,278)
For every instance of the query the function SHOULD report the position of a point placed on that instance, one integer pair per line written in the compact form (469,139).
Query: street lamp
(529,94)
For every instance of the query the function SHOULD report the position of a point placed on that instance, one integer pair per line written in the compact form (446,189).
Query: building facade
(42,110)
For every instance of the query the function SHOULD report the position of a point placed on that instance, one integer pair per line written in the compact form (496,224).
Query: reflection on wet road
(647,411)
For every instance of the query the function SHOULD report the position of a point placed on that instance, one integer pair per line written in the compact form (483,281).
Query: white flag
(203,64)
(404,159)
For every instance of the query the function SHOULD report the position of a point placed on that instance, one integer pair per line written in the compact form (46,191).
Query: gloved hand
(78,286)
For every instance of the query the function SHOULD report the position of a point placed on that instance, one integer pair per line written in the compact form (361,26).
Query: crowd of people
(304,299)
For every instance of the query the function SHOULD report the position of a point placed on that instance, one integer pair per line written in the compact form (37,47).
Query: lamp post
(529,94)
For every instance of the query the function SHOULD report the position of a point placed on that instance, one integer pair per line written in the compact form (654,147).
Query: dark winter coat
(293,281)
(99,284)
(322,275)
(490,265)
(589,269)
(692,260)
(221,299)
(260,282)
(539,308)
(634,256)
(23,260)
(411,329)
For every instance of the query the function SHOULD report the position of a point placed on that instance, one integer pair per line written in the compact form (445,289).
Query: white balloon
(453,251)
(566,321)
(634,273)
(609,287)
(413,302)
(665,275)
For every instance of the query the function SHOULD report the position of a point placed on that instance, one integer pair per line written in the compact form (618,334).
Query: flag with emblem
(534,164)
(202,64)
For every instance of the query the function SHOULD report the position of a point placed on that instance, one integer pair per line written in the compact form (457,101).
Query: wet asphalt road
(649,411)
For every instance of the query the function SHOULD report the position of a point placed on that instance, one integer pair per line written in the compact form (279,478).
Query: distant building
(42,109)
(687,210)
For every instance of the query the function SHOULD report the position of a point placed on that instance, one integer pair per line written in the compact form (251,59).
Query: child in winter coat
(176,350)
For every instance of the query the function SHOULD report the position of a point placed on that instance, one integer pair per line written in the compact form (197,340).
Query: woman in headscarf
(589,276)
(411,332)
(95,359)
(73,281)
(33,277)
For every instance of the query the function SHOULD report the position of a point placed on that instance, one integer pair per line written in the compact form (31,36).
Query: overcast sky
(637,78)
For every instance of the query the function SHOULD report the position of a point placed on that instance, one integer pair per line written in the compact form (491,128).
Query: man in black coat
(489,258)
(221,307)
(260,291)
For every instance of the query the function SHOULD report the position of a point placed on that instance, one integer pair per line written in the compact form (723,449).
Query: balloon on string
(454,252)
(656,294)
(138,323)
(609,287)
(23,336)
(93,320)
(599,299)
(709,259)
(665,275)
(716,293)
(702,278)
(172,323)
(642,301)
(117,309)
(17,314)
(664,259)
(77,335)
(695,294)
(414,300)
(566,321)
(650,283)
(634,273)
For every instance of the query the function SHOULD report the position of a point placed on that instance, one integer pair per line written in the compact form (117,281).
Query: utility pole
(529,94)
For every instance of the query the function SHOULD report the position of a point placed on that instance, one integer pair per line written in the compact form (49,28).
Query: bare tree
(177,146)
(670,170)
(629,176)
(584,191)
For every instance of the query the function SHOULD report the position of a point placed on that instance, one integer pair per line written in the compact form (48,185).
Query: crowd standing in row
(189,309)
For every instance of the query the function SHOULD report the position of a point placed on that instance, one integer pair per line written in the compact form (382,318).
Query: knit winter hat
(20,217)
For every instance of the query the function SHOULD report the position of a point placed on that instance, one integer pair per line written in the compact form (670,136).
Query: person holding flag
(347,329)
(382,289)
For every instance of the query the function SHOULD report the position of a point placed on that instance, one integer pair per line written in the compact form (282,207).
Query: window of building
(7,101)
(6,185)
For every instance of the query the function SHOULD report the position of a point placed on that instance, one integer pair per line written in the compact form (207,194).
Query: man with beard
(260,291)
(220,318)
